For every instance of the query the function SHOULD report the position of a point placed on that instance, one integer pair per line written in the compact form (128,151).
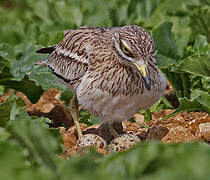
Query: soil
(183,127)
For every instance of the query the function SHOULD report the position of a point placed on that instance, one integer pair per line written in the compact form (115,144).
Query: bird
(112,72)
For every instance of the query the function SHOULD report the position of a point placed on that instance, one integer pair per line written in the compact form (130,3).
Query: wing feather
(70,58)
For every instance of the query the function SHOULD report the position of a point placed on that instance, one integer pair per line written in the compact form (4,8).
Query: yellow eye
(125,50)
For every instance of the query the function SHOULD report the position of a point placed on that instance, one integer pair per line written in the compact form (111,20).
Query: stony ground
(183,127)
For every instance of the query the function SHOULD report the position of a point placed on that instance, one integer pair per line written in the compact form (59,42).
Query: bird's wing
(69,59)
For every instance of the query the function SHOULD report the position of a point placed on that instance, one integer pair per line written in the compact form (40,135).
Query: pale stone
(204,129)
(178,134)
(139,118)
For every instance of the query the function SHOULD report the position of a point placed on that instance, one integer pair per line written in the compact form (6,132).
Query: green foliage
(37,138)
(200,21)
(198,65)
(181,71)
(9,109)
(29,148)
(145,161)
(186,105)
(164,40)
(87,118)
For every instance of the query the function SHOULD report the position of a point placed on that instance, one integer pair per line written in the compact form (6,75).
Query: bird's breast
(111,108)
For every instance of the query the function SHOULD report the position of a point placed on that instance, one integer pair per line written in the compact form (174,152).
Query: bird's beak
(144,74)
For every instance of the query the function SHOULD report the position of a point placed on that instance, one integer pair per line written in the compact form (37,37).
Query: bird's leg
(74,114)
(112,130)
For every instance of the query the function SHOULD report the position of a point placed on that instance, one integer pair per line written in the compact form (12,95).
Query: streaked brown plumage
(112,71)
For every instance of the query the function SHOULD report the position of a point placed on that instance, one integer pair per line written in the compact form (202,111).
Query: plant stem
(184,84)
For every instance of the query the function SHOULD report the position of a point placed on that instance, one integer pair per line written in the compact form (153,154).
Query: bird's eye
(125,50)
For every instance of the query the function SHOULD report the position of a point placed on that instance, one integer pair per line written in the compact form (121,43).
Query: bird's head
(135,47)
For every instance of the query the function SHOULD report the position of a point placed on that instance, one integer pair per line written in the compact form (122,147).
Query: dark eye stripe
(130,55)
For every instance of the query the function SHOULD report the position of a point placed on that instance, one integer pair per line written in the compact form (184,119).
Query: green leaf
(40,75)
(157,107)
(164,40)
(166,102)
(186,105)
(197,65)
(202,97)
(14,164)
(162,103)
(9,109)
(40,142)
(29,88)
(87,118)
(41,9)
(180,28)
(44,78)
(176,81)
(158,161)
(147,115)
(11,160)
(164,62)
(66,96)
(201,44)
(94,120)
(48,38)
(200,19)
(5,56)
(25,64)
(29,78)
(4,135)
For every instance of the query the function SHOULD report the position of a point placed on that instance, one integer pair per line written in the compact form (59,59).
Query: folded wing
(69,59)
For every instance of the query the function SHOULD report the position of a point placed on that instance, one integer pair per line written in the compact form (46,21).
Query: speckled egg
(123,142)
(92,140)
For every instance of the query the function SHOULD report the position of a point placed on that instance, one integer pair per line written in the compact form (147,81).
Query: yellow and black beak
(144,74)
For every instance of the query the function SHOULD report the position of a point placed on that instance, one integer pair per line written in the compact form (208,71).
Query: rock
(92,140)
(156,133)
(123,142)
(59,115)
(139,118)
(204,129)
(179,118)
(69,138)
(178,134)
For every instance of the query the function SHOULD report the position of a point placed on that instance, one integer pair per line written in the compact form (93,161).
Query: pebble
(156,133)
(204,129)
(139,118)
(178,134)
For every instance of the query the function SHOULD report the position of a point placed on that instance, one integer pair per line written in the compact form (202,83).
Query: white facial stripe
(71,55)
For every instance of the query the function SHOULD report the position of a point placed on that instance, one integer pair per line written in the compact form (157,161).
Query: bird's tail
(46,50)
